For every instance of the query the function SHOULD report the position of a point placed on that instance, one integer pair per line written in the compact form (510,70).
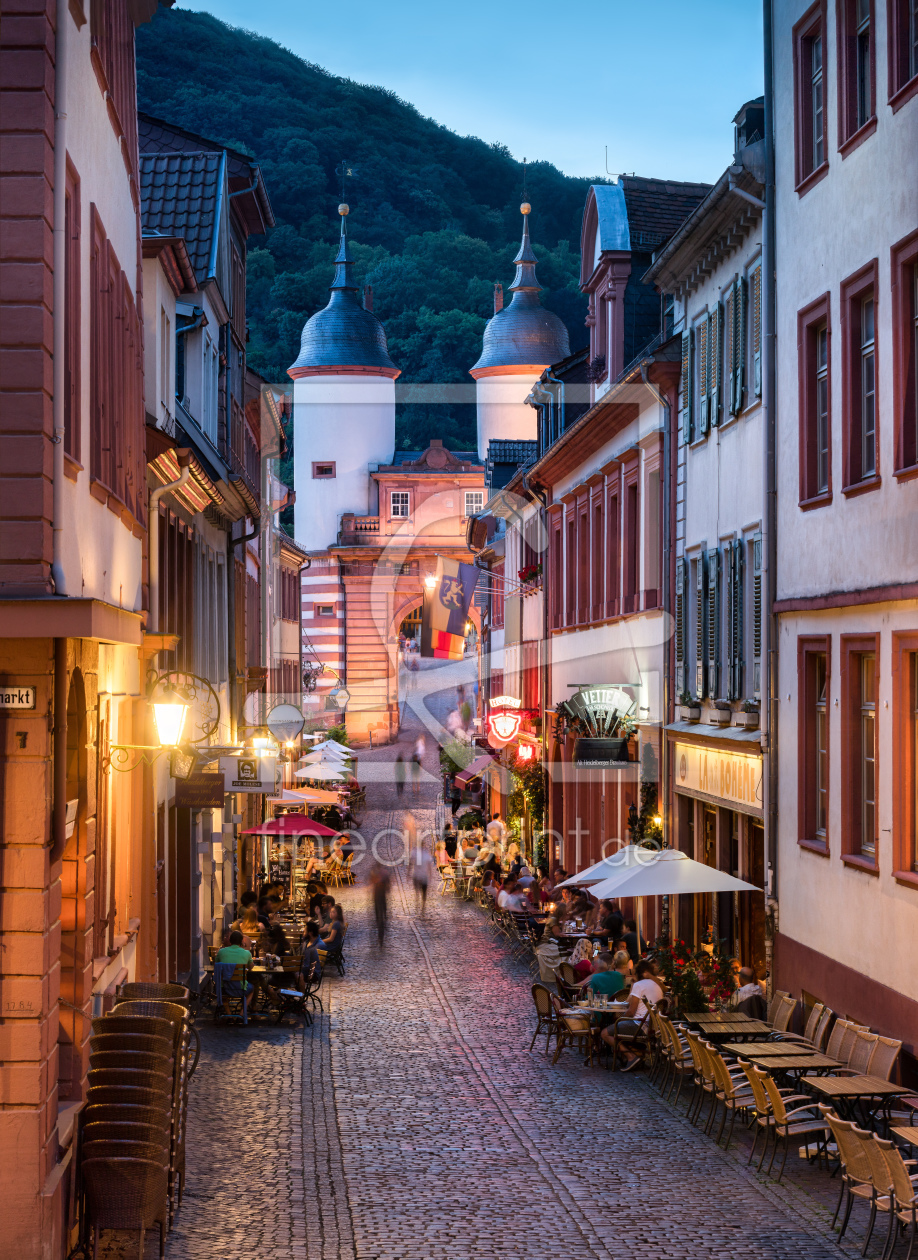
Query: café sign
(735,778)
(249,774)
(598,709)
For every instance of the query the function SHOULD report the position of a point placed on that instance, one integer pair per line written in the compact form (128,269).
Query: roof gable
(184,194)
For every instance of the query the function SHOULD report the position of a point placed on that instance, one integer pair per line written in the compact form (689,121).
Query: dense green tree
(434,216)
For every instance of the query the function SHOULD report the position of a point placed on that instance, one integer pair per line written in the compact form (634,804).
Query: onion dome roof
(344,336)
(523,334)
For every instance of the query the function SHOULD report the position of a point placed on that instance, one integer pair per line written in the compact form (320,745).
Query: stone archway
(73,1028)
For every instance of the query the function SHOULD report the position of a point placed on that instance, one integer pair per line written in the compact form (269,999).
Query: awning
(290,825)
(473,770)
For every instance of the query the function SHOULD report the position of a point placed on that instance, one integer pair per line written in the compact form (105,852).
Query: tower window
(322,472)
(474,502)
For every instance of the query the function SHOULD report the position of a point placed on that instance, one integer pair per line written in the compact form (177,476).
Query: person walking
(399,775)
(379,881)
(422,866)
(416,773)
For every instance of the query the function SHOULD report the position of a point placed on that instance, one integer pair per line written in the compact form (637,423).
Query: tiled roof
(180,196)
(506,451)
(656,207)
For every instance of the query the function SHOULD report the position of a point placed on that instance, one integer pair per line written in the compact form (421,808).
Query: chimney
(498,298)
(368,297)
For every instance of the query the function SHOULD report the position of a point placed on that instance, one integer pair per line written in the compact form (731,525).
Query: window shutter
(703,330)
(756,282)
(730,591)
(688,396)
(736,620)
(701,625)
(716,357)
(757,615)
(739,340)
(713,618)
(681,590)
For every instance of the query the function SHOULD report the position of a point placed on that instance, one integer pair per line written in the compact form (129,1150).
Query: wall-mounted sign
(200,791)
(600,754)
(504,702)
(598,709)
(249,774)
(16,697)
(726,776)
(285,721)
(503,726)
(526,752)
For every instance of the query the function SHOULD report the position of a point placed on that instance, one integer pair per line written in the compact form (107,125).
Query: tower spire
(343,279)
(525,260)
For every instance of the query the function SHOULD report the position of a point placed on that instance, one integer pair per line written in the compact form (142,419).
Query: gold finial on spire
(525,208)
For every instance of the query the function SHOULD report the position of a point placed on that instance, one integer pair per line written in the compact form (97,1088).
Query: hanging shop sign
(249,774)
(602,716)
(600,754)
(735,778)
(200,791)
(504,718)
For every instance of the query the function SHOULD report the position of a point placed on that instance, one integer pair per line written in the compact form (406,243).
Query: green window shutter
(687,390)
(735,347)
(756,545)
(713,619)
(730,595)
(736,620)
(703,375)
(729,361)
(681,591)
(755,281)
(701,626)
(740,337)
(716,352)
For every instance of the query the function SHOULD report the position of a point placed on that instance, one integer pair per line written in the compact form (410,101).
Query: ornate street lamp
(171,694)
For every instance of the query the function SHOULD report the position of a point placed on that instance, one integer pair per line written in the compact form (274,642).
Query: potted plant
(748,715)
(721,712)
(689,708)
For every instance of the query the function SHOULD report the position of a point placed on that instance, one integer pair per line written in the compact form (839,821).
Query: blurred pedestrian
(379,882)
(422,866)
(416,773)
(399,775)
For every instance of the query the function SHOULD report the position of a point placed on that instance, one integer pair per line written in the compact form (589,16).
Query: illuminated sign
(504,702)
(526,752)
(502,727)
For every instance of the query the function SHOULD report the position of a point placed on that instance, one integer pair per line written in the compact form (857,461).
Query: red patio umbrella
(290,825)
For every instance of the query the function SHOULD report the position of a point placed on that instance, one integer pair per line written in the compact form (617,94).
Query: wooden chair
(774,1004)
(728,1091)
(546,1018)
(576,1031)
(854,1164)
(809,1033)
(881,1177)
(233,992)
(784,1014)
(679,1058)
(799,1122)
(905,1197)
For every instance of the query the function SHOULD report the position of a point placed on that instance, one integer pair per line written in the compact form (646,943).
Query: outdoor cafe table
(799,1062)
(773,1049)
(720,1017)
(752,1028)
(907,1133)
(847,1091)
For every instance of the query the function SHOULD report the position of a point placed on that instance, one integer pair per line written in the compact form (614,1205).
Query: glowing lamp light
(502,727)
(430,581)
(169,716)
(657,820)
(527,752)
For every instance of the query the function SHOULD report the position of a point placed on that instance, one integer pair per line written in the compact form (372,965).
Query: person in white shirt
(749,987)
(497,833)
(633,1019)
(422,867)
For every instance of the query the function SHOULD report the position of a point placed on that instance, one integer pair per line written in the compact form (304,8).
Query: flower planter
(746,719)
(720,717)
(690,712)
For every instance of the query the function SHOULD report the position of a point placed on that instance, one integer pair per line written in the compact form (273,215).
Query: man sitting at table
(634,1017)
(232,955)
(608,974)
(749,997)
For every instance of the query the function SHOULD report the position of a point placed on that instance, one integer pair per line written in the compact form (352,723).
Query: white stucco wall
(502,409)
(347,420)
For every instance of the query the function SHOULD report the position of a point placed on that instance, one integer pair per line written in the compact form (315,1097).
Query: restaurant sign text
(728,776)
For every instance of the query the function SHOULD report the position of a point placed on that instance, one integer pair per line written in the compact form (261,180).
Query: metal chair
(233,990)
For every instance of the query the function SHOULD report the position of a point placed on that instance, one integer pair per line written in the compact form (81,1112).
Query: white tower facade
(520,342)
(343,409)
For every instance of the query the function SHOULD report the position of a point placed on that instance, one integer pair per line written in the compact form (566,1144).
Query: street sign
(12,697)
(285,722)
(249,774)
(200,791)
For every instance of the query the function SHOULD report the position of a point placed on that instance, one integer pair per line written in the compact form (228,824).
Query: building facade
(846,135)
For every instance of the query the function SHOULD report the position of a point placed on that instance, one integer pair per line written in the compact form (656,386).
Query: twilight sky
(657,81)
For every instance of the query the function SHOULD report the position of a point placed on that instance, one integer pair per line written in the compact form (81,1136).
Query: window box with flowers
(531,575)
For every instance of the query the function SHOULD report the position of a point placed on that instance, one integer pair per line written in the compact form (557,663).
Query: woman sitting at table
(276,941)
(633,1018)
(249,925)
(581,960)
(333,934)
(490,885)
(441,857)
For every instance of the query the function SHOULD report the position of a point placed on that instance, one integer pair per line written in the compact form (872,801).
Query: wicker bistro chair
(679,1057)
(116,1043)
(574,1030)
(905,1197)
(334,957)
(183,1030)
(132,1078)
(152,1130)
(856,1181)
(800,1122)
(547,1019)
(728,1091)
(702,1085)
(775,1004)
(129,1194)
(881,1178)
(809,1033)
(784,1014)
(860,1052)
(133,1025)
(149,991)
(135,1060)
(233,991)
(126,1148)
(762,1115)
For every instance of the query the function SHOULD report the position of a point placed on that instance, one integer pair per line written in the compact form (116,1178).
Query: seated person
(311,964)
(316,893)
(611,923)
(581,905)
(336,857)
(636,948)
(276,941)
(249,925)
(450,840)
(441,857)
(248,899)
(749,996)
(609,973)
(559,875)
(581,960)
(233,955)
(490,885)
(264,911)
(470,849)
(633,1019)
(549,958)
(333,934)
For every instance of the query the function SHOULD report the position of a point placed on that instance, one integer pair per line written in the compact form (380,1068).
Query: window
(859,380)
(688,387)
(399,502)
(557,572)
(325,610)
(755,340)
(810,95)
(596,562)
(324,472)
(474,502)
(904,295)
(813,745)
(734,563)
(708,338)
(905,752)
(859,749)
(856,75)
(209,388)
(613,558)
(72,413)
(632,548)
(583,567)
(902,45)
(814,366)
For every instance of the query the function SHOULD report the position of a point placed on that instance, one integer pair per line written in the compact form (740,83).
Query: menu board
(279,873)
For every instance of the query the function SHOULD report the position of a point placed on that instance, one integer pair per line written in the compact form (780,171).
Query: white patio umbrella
(607,868)
(327,757)
(333,743)
(668,872)
(322,773)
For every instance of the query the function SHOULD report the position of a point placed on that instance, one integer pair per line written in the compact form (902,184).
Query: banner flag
(446,608)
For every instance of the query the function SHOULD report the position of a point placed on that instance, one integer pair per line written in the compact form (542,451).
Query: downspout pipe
(231,545)
(667,595)
(769,391)
(59,763)
(542,498)
(184,460)
(59,296)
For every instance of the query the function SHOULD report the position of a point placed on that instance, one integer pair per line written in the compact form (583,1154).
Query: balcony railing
(358,529)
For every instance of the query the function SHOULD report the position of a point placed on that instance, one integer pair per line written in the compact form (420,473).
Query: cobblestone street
(411,1121)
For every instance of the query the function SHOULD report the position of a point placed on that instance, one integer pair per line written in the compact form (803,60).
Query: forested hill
(434,216)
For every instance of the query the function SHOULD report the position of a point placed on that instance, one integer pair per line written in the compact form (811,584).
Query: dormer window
(399,502)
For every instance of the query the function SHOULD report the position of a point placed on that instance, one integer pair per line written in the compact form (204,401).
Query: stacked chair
(132,1129)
